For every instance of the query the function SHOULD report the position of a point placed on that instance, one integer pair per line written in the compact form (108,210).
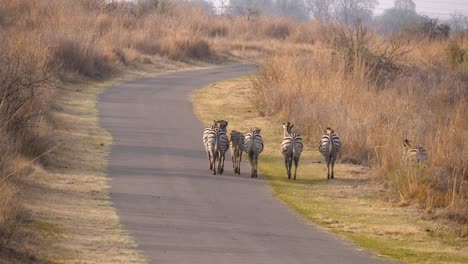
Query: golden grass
(352,205)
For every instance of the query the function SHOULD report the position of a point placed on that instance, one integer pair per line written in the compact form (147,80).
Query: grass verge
(352,205)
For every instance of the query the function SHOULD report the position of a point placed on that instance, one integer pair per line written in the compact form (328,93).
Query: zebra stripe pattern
(330,146)
(236,145)
(291,148)
(414,154)
(253,146)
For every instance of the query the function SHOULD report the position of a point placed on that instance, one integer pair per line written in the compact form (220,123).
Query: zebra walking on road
(415,154)
(291,148)
(253,146)
(236,145)
(206,132)
(330,146)
(223,144)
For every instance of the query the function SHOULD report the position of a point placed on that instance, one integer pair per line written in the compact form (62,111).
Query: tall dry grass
(375,93)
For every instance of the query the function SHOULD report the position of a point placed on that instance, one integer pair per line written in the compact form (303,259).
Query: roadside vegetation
(354,204)
(375,92)
(375,81)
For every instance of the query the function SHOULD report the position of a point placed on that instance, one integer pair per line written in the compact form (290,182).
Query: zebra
(211,146)
(236,145)
(223,143)
(206,132)
(253,146)
(330,146)
(291,148)
(415,154)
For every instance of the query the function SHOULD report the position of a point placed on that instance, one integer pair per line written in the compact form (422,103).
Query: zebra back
(415,154)
(292,141)
(223,141)
(236,141)
(253,143)
(206,132)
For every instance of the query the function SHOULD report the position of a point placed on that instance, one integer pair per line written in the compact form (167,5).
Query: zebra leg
(328,167)
(233,158)
(333,167)
(286,166)
(252,167)
(209,159)
(256,162)
(289,167)
(296,162)
(222,166)
(215,155)
(239,159)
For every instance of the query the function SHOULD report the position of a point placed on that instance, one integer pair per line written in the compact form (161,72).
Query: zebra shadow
(325,182)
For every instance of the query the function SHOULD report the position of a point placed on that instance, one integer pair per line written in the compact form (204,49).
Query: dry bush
(426,103)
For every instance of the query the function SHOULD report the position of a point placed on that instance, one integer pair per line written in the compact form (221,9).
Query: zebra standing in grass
(206,132)
(236,145)
(415,154)
(291,148)
(223,144)
(253,146)
(330,146)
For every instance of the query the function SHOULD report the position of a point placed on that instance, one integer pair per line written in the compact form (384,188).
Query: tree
(205,5)
(351,12)
(402,17)
(406,5)
(459,23)
(249,8)
(321,10)
(290,8)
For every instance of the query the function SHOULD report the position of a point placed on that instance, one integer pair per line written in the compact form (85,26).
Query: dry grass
(375,94)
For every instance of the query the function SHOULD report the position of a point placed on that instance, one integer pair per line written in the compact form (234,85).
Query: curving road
(180,213)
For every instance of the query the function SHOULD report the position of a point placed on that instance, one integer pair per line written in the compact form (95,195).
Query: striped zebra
(206,132)
(223,144)
(236,145)
(415,154)
(253,146)
(291,148)
(330,146)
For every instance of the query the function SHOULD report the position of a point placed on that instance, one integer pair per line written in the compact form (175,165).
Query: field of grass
(353,205)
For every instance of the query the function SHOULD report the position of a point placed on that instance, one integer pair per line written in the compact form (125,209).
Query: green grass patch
(351,205)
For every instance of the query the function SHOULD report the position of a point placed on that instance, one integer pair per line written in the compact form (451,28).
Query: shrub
(81,56)
(455,54)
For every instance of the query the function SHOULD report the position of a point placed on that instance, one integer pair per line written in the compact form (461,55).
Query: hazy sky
(432,8)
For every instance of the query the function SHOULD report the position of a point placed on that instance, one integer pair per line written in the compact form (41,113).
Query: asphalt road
(171,203)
